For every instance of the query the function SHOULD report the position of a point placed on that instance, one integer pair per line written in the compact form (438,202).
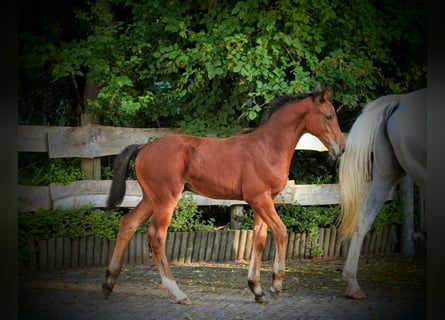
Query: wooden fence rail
(95,192)
(92,141)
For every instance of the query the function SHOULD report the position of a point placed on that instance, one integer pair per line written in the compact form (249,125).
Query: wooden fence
(92,141)
(188,247)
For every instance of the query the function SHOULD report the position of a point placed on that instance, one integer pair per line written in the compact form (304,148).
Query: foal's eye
(328,117)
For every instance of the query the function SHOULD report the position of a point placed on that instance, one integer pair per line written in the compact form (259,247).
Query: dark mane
(278,103)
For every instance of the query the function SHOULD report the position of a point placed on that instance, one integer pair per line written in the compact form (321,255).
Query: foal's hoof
(106,290)
(184,301)
(260,299)
(274,293)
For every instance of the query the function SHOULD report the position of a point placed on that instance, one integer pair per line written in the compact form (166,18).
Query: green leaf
(252,115)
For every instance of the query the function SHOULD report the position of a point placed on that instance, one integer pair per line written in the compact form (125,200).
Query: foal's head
(322,122)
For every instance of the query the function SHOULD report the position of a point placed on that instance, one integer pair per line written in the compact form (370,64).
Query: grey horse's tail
(120,168)
(355,167)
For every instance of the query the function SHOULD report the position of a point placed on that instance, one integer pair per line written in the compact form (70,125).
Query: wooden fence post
(90,167)
(236,212)
(407,202)
(422,210)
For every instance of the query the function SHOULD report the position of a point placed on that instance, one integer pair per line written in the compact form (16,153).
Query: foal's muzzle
(336,150)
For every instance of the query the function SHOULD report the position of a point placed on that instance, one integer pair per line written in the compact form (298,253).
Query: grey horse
(385,143)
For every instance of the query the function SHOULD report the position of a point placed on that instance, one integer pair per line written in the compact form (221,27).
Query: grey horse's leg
(387,172)
(377,194)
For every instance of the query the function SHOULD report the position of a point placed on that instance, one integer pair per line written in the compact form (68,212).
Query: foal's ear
(317,87)
(326,94)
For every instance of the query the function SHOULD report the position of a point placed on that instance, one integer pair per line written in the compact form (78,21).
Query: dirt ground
(313,289)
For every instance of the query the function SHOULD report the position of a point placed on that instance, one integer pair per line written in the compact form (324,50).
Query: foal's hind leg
(157,233)
(128,225)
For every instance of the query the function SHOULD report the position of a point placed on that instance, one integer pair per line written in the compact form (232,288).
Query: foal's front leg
(265,210)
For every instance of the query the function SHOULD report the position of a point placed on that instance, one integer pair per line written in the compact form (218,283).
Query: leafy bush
(107,172)
(187,217)
(88,221)
(219,61)
(310,218)
(307,219)
(299,218)
(52,223)
(46,224)
(313,167)
(390,214)
(38,170)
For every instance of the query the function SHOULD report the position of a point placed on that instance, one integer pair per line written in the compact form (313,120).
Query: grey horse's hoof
(357,295)
(184,301)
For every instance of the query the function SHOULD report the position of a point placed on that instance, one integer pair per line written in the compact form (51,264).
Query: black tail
(120,168)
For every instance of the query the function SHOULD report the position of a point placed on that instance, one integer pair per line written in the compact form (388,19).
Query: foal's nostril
(339,152)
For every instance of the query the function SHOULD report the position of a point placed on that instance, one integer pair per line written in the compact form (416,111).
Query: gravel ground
(313,289)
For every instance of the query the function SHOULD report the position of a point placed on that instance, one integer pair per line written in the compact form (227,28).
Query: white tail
(355,167)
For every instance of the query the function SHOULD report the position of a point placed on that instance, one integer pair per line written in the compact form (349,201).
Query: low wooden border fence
(200,246)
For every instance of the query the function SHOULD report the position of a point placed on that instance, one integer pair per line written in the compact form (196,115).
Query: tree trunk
(90,167)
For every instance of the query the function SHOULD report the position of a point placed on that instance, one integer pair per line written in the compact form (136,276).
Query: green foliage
(299,218)
(52,223)
(311,218)
(390,214)
(108,174)
(210,67)
(88,221)
(41,171)
(313,167)
(307,219)
(187,217)
(47,224)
